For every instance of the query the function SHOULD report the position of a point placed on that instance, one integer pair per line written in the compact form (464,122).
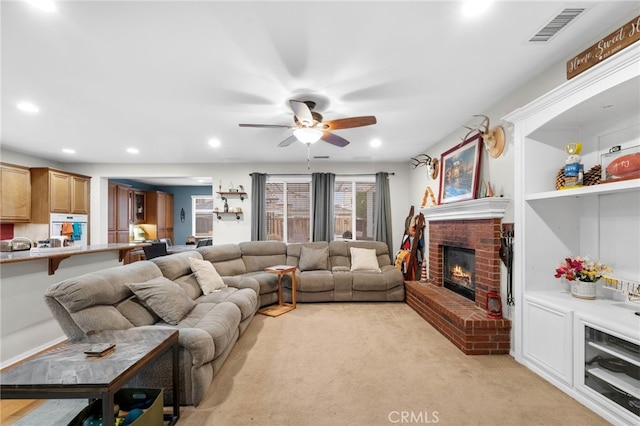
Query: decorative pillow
(313,259)
(208,278)
(364,259)
(165,298)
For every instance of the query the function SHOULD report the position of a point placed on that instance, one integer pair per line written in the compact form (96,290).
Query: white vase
(583,290)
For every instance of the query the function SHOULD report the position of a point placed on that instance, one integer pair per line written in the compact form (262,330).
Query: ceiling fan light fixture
(308,135)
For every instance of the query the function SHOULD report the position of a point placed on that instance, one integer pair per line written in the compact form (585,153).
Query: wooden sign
(610,45)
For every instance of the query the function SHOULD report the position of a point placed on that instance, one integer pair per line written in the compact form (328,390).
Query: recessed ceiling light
(29,107)
(68,151)
(215,143)
(474,8)
(375,143)
(133,150)
(44,5)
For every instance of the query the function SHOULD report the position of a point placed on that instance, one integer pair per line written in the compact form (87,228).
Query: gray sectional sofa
(164,292)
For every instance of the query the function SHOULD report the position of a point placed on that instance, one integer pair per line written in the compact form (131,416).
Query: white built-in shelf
(587,191)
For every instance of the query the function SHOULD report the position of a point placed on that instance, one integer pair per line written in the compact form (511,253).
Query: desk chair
(155,250)
(205,242)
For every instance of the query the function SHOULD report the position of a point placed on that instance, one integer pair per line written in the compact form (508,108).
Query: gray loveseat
(209,325)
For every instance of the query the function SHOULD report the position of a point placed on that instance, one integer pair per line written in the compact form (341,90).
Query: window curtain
(383,230)
(322,200)
(258,207)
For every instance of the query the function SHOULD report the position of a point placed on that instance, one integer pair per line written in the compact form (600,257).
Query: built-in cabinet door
(15,193)
(60,192)
(548,339)
(80,195)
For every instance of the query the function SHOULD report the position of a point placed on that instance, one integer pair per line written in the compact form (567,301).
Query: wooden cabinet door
(15,194)
(139,206)
(168,209)
(112,208)
(80,195)
(60,192)
(122,209)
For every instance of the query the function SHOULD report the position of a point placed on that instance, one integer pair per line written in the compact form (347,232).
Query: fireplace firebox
(459,271)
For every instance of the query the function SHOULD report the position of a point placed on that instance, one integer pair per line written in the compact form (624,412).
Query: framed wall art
(460,171)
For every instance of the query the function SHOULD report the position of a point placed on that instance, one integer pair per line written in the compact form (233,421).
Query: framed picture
(460,171)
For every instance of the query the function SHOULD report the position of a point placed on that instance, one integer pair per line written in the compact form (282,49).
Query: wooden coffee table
(281,307)
(65,372)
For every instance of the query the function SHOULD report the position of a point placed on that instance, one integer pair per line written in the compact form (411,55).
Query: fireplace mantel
(481,208)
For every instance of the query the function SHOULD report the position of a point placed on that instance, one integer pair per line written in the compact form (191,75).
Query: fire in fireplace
(459,271)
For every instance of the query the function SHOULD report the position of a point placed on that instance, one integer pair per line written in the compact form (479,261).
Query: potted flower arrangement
(583,274)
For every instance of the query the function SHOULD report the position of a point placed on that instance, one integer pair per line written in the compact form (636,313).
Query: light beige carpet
(372,364)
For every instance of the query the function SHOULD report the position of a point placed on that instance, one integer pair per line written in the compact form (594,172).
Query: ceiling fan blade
(334,139)
(302,112)
(347,123)
(288,141)
(278,126)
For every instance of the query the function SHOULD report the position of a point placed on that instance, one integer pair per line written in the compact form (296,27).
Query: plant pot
(583,290)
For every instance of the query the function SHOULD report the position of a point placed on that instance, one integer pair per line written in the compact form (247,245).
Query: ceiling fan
(310,127)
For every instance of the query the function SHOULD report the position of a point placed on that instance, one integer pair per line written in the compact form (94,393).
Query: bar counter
(57,255)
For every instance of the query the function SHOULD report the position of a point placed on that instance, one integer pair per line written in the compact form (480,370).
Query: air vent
(554,26)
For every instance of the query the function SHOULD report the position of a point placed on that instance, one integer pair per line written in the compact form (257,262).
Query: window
(289,210)
(354,207)
(202,219)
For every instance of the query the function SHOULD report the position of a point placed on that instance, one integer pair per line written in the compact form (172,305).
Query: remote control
(99,349)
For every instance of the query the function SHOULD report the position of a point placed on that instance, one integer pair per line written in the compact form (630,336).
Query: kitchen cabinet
(119,216)
(160,212)
(600,109)
(15,193)
(138,206)
(57,191)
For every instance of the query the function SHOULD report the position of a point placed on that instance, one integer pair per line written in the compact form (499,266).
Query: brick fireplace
(473,225)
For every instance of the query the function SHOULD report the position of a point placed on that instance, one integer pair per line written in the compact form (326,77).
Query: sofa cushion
(165,298)
(176,265)
(364,259)
(207,276)
(258,255)
(226,258)
(133,310)
(313,259)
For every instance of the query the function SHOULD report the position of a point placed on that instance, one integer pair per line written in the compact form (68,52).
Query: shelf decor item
(582,274)
(621,164)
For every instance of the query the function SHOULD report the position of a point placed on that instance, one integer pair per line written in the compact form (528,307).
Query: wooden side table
(281,307)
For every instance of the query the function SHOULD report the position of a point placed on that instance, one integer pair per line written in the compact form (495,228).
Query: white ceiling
(166,76)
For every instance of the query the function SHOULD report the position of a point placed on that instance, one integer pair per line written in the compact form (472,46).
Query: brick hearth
(474,225)
(459,319)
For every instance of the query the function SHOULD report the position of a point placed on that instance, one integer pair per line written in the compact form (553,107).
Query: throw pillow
(208,278)
(165,298)
(313,259)
(364,259)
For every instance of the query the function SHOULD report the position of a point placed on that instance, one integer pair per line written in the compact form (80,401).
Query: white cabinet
(600,109)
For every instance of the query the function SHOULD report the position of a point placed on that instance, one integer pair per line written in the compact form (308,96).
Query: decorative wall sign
(460,171)
(610,45)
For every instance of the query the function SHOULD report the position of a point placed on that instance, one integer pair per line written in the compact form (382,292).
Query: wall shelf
(232,194)
(221,215)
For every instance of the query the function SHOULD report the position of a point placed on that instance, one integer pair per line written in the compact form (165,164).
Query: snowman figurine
(573,168)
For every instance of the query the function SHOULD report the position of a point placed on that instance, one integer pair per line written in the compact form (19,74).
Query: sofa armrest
(198,342)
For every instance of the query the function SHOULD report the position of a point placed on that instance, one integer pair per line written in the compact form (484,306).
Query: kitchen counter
(57,255)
